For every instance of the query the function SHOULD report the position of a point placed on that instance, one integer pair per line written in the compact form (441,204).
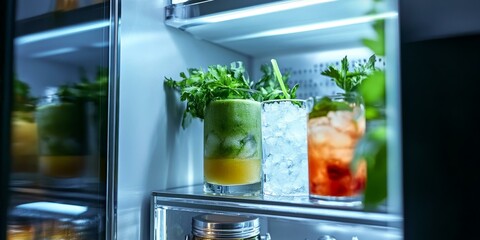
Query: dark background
(440,50)
(6,48)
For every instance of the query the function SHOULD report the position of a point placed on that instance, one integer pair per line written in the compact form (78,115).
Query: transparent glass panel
(59,120)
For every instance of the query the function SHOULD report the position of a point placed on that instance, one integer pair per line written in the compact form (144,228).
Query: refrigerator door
(58,120)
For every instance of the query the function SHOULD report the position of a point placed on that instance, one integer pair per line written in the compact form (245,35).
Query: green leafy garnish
(373,148)
(92,91)
(269,86)
(199,88)
(23,100)
(325,105)
(377,45)
(349,81)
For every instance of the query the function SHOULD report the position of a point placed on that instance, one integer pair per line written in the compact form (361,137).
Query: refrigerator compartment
(173,209)
(250,27)
(59,37)
(55,39)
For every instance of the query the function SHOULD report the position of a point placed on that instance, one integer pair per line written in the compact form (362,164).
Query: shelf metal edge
(198,12)
(281,209)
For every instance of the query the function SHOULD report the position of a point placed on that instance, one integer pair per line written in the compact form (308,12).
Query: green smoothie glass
(233,147)
(62,141)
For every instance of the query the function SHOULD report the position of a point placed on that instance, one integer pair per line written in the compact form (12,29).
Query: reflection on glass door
(59,120)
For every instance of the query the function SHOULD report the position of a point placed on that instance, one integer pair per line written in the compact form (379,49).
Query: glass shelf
(173,210)
(60,19)
(298,207)
(250,27)
(61,36)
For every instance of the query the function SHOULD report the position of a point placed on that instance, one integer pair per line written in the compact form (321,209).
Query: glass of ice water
(284,141)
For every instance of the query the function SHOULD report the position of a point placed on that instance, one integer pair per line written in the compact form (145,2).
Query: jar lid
(225,226)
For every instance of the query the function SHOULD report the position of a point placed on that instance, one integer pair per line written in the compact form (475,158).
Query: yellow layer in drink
(63,166)
(230,171)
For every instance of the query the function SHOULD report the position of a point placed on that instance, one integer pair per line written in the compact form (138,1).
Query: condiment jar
(20,228)
(225,227)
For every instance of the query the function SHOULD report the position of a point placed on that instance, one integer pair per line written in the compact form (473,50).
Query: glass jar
(224,227)
(20,228)
(336,123)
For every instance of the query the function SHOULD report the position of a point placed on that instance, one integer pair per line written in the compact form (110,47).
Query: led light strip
(52,207)
(54,52)
(61,32)
(260,10)
(312,27)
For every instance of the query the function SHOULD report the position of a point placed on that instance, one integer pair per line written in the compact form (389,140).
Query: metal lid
(225,226)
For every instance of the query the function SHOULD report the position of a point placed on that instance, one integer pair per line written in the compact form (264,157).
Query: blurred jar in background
(20,228)
(66,5)
(62,230)
(74,229)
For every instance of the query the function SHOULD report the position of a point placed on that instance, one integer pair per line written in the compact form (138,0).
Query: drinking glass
(62,140)
(285,159)
(24,148)
(233,147)
(335,125)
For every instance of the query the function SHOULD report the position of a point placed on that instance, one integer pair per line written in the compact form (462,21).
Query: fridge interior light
(260,10)
(61,32)
(312,27)
(52,207)
(54,52)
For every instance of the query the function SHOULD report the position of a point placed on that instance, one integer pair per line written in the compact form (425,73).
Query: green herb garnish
(23,100)
(199,88)
(269,85)
(326,105)
(349,81)
(92,91)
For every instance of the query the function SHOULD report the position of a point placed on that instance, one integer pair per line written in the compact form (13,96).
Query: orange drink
(335,125)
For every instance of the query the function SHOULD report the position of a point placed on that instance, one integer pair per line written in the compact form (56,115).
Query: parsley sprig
(199,88)
(347,80)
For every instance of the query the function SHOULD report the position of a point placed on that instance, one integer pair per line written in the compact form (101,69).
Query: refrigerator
(142,173)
